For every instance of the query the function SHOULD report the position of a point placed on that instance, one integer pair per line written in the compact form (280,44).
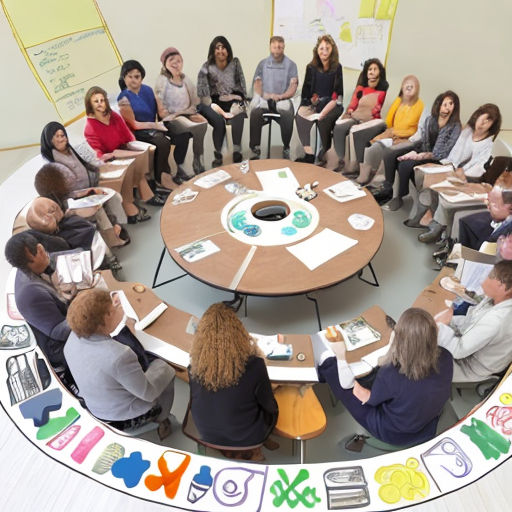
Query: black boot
(306,159)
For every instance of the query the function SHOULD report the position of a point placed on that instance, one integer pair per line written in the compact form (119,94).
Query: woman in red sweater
(107,133)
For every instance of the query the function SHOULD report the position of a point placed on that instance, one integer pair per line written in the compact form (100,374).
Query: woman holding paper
(402,122)
(231,397)
(410,389)
(468,157)
(112,381)
(322,98)
(364,108)
(107,133)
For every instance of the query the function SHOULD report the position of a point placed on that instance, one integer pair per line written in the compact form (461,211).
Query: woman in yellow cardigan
(402,122)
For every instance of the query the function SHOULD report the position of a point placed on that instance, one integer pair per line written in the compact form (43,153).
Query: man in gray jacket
(481,341)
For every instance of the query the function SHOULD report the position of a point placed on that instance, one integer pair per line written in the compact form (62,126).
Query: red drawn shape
(87,444)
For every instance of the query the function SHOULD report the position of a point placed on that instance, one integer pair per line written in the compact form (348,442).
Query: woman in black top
(322,98)
(231,398)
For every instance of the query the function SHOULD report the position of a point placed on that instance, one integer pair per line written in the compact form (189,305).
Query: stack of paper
(344,191)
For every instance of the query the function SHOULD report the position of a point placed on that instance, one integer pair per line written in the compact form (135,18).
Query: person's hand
(160,126)
(361,393)
(227,115)
(460,174)
(98,191)
(412,155)
(349,111)
(445,317)
(107,157)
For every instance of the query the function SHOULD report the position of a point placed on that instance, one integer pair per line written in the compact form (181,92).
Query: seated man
(108,374)
(481,341)
(41,305)
(487,226)
(275,83)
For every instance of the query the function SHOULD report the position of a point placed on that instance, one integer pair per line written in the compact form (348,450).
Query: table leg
(360,274)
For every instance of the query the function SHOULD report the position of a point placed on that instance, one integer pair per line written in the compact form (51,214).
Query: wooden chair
(301,416)
(189,428)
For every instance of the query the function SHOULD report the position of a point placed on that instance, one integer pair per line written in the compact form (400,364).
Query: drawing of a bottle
(200,484)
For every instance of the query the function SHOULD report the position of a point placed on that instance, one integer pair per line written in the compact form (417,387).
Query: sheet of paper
(213,179)
(373,358)
(278,181)
(321,248)
(125,304)
(150,317)
(110,175)
(434,168)
(360,368)
(344,191)
(473,275)
(197,250)
(93,200)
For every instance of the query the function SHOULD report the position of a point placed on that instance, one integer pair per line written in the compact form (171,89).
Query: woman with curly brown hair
(322,98)
(231,398)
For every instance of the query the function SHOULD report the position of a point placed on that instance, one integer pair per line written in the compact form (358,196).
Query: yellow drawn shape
(37,21)
(386,10)
(401,481)
(345,33)
(367,8)
(506,398)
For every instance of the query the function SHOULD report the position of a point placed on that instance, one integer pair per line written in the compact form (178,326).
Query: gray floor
(403,267)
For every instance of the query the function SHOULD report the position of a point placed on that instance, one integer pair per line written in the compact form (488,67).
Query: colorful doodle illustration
(87,444)
(39,407)
(64,438)
(233,486)
(446,459)
(21,381)
(288,231)
(506,398)
(346,488)
(252,230)
(489,442)
(110,454)
(399,481)
(301,219)
(56,425)
(169,480)
(290,494)
(238,220)
(501,417)
(14,337)
(130,469)
(200,484)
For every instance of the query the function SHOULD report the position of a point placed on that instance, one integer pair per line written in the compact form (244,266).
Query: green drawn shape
(290,494)
(238,220)
(282,174)
(367,8)
(386,10)
(56,425)
(301,219)
(488,441)
(346,33)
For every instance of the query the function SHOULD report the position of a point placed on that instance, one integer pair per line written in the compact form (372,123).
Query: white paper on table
(125,304)
(321,248)
(278,181)
(361,222)
(344,191)
(210,180)
(197,250)
(92,200)
(267,344)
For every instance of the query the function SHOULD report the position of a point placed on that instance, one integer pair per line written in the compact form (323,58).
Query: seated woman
(81,176)
(366,105)
(322,98)
(177,102)
(439,134)
(107,133)
(138,107)
(402,122)
(409,390)
(231,398)
(221,89)
(57,182)
(468,157)
(108,374)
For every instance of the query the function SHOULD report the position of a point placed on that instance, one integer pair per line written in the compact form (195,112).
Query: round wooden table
(273,270)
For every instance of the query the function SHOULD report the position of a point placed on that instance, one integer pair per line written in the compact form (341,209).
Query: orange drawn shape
(170,480)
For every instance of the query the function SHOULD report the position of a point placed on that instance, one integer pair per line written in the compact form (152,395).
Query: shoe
(177,180)
(381,194)
(140,217)
(256,153)
(366,174)
(218,159)
(341,166)
(123,235)
(286,153)
(155,201)
(393,205)
(306,159)
(271,445)
(162,191)
(164,429)
(433,234)
(152,184)
(197,164)
(415,222)
(445,250)
(182,174)
(237,157)
(356,443)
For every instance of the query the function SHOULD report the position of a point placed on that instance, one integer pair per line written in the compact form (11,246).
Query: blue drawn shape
(238,220)
(301,219)
(39,407)
(130,469)
(448,455)
(252,230)
(233,487)
(288,231)
(200,484)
